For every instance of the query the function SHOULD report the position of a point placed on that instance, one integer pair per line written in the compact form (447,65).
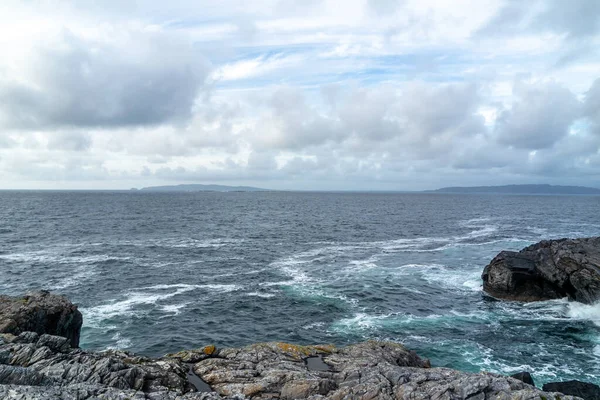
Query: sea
(155,273)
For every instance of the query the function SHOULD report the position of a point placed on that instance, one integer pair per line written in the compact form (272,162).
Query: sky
(299,94)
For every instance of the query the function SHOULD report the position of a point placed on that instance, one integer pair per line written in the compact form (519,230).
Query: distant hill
(519,189)
(201,188)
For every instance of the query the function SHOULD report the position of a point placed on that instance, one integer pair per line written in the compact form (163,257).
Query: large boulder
(41,312)
(547,270)
(585,390)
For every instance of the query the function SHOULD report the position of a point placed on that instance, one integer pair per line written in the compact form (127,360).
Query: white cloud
(308,94)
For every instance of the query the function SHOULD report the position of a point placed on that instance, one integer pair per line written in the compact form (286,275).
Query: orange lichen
(294,349)
(325,348)
(209,350)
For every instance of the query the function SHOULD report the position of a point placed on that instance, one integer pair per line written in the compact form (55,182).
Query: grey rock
(37,365)
(547,270)
(40,312)
(42,367)
(369,370)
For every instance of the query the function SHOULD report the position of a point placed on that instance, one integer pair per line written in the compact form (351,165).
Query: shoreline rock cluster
(40,358)
(39,365)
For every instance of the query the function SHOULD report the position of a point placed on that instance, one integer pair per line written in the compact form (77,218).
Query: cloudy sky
(306,94)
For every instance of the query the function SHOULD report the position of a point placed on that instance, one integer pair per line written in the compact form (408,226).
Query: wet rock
(524,377)
(316,364)
(369,370)
(37,365)
(41,367)
(46,367)
(550,269)
(587,391)
(41,312)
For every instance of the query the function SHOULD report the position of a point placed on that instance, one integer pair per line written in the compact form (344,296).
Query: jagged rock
(587,391)
(34,367)
(524,377)
(41,312)
(369,370)
(547,270)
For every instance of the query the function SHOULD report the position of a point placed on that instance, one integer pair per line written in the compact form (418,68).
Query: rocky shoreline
(43,364)
(40,357)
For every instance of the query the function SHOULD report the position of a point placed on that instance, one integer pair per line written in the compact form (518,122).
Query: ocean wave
(150,295)
(121,343)
(588,312)
(174,309)
(54,257)
(263,295)
(362,265)
(442,275)
(81,274)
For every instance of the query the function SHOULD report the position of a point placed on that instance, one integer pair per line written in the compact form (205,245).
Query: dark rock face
(524,377)
(547,270)
(587,391)
(41,312)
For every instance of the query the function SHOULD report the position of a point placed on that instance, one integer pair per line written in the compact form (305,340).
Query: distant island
(519,189)
(201,188)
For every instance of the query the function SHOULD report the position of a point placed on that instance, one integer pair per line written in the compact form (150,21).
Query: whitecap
(82,274)
(362,265)
(121,343)
(150,295)
(259,294)
(580,311)
(174,309)
(314,325)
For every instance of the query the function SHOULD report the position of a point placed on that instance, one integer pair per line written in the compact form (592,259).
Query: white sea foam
(175,309)
(145,296)
(580,311)
(314,325)
(359,322)
(81,274)
(121,343)
(58,257)
(259,294)
(362,265)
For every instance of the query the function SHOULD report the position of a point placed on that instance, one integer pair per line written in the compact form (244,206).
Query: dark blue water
(156,273)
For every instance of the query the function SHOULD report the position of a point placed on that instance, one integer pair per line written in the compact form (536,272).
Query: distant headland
(518,189)
(201,188)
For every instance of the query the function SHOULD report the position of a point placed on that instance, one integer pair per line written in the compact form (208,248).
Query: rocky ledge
(42,366)
(547,270)
(41,312)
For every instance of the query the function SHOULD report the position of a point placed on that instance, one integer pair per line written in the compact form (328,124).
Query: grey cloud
(424,117)
(73,141)
(140,79)
(575,18)
(592,104)
(539,118)
(384,7)
(431,111)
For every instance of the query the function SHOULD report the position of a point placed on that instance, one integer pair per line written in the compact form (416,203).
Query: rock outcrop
(587,391)
(547,270)
(36,366)
(41,312)
(525,377)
